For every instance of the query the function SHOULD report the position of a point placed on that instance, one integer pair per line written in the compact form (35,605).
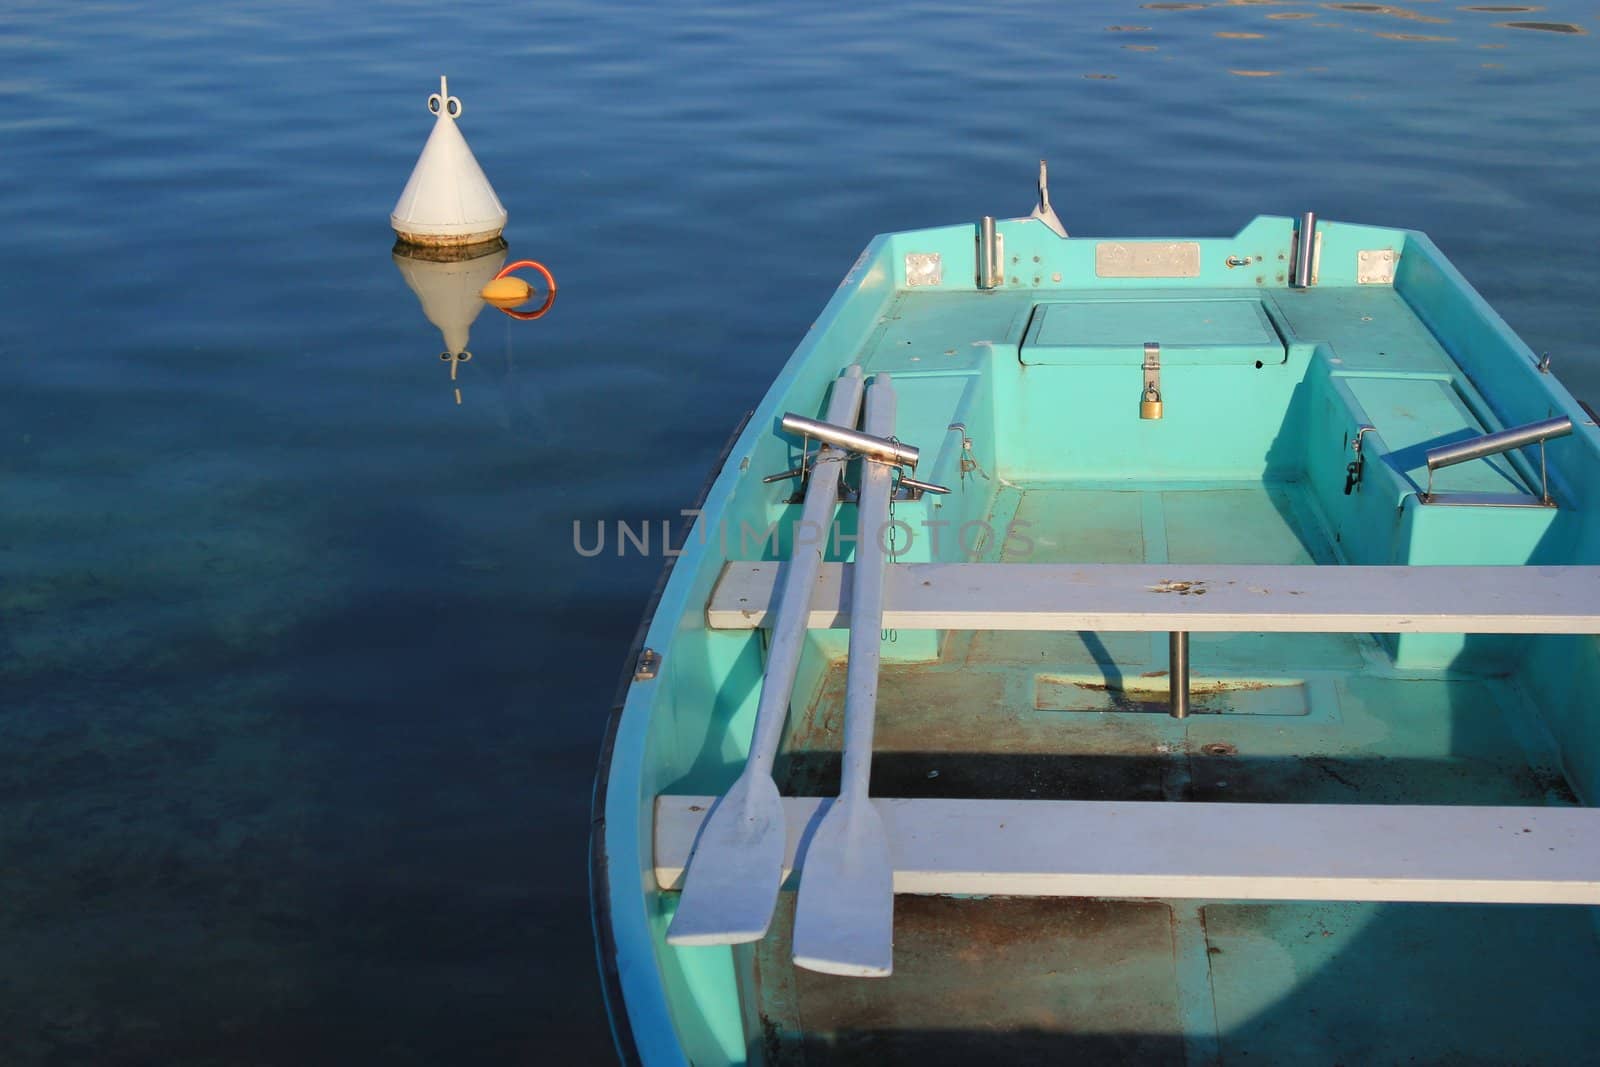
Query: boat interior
(1291,426)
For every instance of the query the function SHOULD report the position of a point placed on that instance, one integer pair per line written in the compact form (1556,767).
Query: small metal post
(1544,477)
(1305,247)
(1178,673)
(988,256)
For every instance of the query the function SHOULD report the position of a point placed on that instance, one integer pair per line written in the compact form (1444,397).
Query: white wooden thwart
(1202,850)
(1198,598)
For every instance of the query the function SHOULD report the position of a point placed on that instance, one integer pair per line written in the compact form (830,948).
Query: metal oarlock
(883,449)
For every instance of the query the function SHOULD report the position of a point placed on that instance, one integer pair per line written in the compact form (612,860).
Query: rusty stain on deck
(991,980)
(996,980)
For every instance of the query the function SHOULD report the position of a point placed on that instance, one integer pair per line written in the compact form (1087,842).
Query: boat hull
(1027,401)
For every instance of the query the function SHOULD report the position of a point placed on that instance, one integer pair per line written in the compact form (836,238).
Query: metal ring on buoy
(550,279)
(451,104)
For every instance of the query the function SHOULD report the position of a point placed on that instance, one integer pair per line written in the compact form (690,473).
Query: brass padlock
(1150,406)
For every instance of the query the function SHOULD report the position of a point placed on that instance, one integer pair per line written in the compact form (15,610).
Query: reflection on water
(1548,27)
(1233,9)
(1385,9)
(448,283)
(447,286)
(302,678)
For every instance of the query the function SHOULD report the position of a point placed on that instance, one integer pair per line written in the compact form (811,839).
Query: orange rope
(550,297)
(550,279)
(528,316)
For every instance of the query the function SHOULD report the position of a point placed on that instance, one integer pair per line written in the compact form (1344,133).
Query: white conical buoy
(448,200)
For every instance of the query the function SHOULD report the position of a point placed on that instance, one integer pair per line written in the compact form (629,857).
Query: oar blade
(731,884)
(844,918)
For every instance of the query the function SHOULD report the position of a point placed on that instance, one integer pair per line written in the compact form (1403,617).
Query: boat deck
(1281,718)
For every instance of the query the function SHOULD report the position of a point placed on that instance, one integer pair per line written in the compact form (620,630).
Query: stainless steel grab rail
(1491,444)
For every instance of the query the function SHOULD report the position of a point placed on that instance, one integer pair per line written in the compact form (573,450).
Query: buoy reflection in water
(451,285)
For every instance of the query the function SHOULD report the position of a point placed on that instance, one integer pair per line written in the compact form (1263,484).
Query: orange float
(550,296)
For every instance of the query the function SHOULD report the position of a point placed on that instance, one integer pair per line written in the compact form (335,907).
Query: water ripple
(307,670)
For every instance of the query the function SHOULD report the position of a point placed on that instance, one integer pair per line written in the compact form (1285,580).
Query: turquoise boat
(1123,650)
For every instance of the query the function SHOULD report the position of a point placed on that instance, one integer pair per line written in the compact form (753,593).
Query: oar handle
(866,598)
(844,913)
(799,582)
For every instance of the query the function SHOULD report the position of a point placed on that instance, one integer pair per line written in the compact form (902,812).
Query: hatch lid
(1220,331)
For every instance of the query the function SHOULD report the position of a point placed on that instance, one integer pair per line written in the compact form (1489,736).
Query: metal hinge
(647,667)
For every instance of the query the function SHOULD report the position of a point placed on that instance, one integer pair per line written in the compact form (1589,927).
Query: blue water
(301,681)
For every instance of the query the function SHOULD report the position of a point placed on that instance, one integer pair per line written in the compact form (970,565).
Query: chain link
(893,485)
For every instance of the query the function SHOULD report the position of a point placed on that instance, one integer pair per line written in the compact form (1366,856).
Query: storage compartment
(1213,331)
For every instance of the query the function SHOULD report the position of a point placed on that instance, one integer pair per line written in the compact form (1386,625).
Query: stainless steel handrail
(1491,444)
(1500,441)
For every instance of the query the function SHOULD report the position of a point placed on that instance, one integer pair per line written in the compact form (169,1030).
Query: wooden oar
(731,885)
(844,919)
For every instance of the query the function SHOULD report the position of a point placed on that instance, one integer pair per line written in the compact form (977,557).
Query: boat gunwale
(644,992)
(611,988)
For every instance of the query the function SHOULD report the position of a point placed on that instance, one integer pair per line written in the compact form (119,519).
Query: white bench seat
(1202,598)
(1204,850)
